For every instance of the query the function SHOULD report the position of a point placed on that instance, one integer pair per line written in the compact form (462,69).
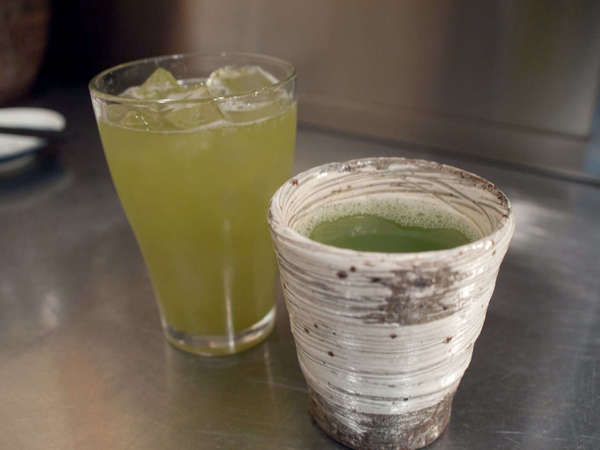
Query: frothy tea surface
(388,226)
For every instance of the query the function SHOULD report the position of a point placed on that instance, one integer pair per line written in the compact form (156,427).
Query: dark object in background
(23,39)
(89,36)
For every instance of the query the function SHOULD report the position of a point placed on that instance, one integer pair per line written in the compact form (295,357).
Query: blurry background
(506,89)
(508,80)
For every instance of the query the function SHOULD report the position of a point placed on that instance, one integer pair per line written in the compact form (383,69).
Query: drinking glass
(194,175)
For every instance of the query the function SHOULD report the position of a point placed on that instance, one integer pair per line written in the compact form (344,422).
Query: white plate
(37,118)
(13,146)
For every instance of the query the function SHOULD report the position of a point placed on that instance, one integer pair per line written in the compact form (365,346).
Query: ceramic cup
(383,339)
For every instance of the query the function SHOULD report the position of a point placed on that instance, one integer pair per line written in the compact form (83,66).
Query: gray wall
(494,77)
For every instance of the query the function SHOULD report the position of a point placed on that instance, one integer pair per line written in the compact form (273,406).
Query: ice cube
(256,106)
(230,80)
(192,115)
(139,117)
(142,119)
(160,85)
(195,91)
(114,113)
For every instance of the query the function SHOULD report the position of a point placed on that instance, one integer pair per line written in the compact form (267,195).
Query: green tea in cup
(388,227)
(387,268)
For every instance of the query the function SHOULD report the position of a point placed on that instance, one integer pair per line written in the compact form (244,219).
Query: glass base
(221,345)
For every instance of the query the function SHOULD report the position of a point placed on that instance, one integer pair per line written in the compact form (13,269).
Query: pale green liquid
(197,202)
(195,180)
(372,233)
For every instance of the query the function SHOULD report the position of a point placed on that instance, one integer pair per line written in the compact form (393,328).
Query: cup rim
(505,227)
(96,92)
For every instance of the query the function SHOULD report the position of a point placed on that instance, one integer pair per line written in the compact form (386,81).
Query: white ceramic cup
(383,339)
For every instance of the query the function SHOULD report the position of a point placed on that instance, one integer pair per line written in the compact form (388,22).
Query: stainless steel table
(83,364)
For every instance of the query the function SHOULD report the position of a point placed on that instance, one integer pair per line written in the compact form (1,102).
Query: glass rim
(98,93)
(503,229)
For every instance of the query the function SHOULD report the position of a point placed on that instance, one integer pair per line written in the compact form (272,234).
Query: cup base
(408,431)
(221,345)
